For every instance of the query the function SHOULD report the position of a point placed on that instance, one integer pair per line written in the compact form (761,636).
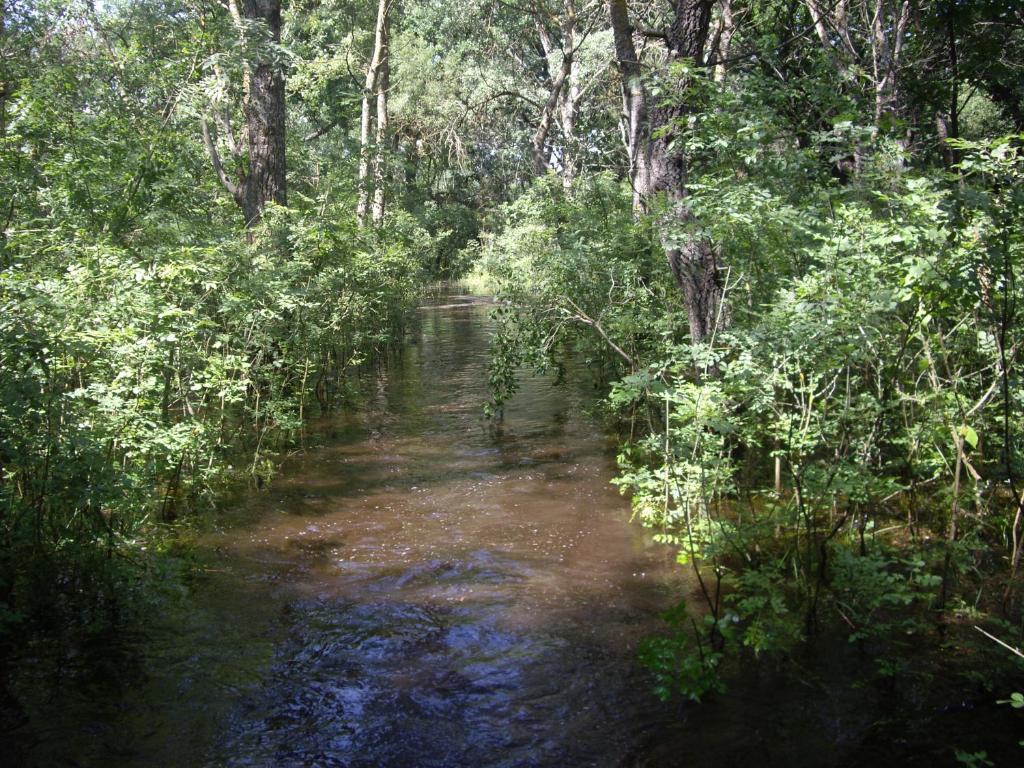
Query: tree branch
(211,149)
(582,317)
(657,34)
(321,131)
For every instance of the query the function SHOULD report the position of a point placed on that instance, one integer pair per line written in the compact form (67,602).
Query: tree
(373,127)
(4,86)
(260,171)
(658,161)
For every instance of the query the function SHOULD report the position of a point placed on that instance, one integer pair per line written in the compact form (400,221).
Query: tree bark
(887,37)
(368,120)
(948,125)
(723,40)
(538,144)
(265,120)
(559,85)
(565,88)
(569,108)
(4,86)
(380,139)
(691,255)
(658,162)
(635,119)
(261,177)
(569,97)
(886,24)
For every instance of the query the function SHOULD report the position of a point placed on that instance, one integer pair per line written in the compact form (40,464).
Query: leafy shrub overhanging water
(846,450)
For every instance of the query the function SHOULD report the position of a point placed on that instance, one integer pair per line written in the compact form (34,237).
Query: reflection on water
(424,588)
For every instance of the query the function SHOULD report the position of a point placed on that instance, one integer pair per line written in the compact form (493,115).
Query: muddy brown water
(423,587)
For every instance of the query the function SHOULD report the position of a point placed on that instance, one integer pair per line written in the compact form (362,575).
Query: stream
(423,587)
(419,587)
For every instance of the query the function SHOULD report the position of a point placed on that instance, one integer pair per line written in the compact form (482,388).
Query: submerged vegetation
(818,395)
(152,352)
(786,238)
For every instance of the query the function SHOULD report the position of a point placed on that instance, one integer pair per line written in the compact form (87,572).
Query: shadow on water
(422,589)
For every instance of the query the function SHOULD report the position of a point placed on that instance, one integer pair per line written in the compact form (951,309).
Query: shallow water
(423,587)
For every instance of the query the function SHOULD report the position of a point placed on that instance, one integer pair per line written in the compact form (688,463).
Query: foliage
(571,269)
(846,448)
(152,353)
(679,662)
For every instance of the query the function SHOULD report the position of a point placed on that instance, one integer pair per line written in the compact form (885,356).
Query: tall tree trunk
(563,94)
(538,144)
(568,109)
(692,257)
(635,118)
(380,150)
(367,121)
(365,128)
(886,22)
(4,86)
(658,160)
(723,40)
(887,37)
(260,177)
(948,124)
(820,27)
(265,120)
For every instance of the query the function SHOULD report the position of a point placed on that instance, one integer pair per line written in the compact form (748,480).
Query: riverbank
(422,586)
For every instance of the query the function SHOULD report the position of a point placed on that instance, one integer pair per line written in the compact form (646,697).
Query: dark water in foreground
(424,588)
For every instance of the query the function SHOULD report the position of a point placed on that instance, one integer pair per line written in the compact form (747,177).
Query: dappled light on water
(419,587)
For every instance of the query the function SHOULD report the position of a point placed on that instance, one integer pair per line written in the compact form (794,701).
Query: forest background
(785,235)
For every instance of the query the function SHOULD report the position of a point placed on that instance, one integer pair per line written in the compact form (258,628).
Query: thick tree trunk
(265,120)
(261,177)
(635,119)
(658,162)
(687,32)
(692,257)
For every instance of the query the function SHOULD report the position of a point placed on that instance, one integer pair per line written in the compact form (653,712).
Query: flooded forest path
(421,587)
(424,588)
